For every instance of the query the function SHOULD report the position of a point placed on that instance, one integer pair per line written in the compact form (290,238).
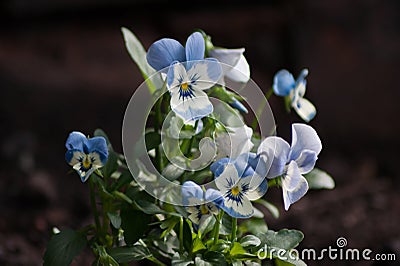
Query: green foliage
(64,247)
(318,179)
(127,254)
(135,224)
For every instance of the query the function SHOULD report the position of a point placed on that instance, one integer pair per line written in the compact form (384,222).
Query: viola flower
(291,161)
(285,85)
(85,155)
(238,192)
(164,52)
(200,204)
(186,82)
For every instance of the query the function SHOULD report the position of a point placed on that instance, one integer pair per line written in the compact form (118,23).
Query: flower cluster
(199,158)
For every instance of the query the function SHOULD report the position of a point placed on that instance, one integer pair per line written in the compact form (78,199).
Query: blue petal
(195,47)
(283,83)
(304,137)
(259,191)
(191,190)
(302,76)
(75,141)
(306,161)
(163,52)
(238,105)
(99,146)
(243,167)
(219,166)
(214,196)
(69,156)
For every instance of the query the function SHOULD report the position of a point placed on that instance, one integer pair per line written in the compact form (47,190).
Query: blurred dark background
(64,67)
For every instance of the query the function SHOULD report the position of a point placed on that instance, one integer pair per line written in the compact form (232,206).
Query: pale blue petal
(215,196)
(205,73)
(243,166)
(98,145)
(163,52)
(274,151)
(85,175)
(191,190)
(258,191)
(304,137)
(294,185)
(283,83)
(219,166)
(75,141)
(306,161)
(195,47)
(302,76)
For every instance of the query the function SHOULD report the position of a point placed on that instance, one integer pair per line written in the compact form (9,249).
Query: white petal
(241,71)
(304,137)
(305,109)
(227,179)
(274,151)
(227,56)
(176,76)
(292,177)
(290,197)
(193,108)
(234,142)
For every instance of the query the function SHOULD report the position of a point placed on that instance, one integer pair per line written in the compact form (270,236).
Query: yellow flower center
(235,191)
(87,162)
(184,86)
(203,209)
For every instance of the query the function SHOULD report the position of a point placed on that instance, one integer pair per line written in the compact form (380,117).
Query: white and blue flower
(239,190)
(290,161)
(285,85)
(164,52)
(186,82)
(200,204)
(85,155)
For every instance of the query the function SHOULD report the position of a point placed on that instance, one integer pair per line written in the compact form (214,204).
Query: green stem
(181,235)
(260,109)
(234,229)
(217,226)
(158,124)
(93,204)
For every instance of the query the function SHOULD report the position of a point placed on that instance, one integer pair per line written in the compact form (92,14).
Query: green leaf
(250,240)
(289,262)
(254,226)
(284,239)
(178,260)
(318,179)
(64,247)
(270,207)
(111,165)
(215,258)
(105,258)
(151,208)
(168,225)
(135,224)
(198,261)
(207,225)
(124,179)
(187,237)
(237,249)
(100,133)
(198,245)
(115,219)
(138,54)
(153,139)
(127,254)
